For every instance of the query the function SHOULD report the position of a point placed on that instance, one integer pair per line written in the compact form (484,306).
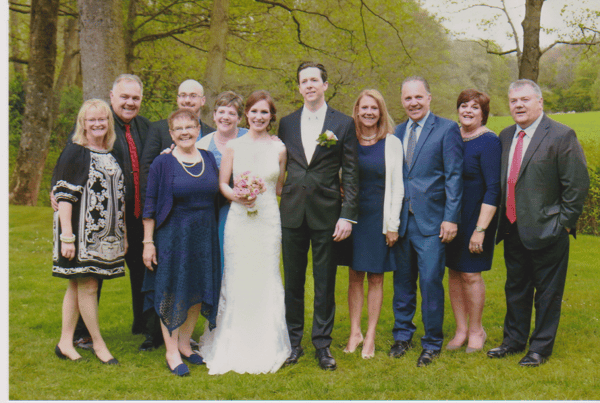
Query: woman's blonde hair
(80,137)
(385,124)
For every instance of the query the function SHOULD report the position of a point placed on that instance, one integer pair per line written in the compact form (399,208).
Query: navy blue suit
(432,194)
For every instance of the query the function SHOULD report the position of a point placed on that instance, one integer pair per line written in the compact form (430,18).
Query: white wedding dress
(251,334)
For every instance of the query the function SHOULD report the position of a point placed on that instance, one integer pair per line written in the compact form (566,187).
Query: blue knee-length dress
(187,242)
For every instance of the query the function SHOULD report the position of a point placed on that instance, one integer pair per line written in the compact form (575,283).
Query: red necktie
(515,166)
(135,167)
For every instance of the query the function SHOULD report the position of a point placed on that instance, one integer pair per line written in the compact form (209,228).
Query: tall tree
(37,119)
(217,54)
(583,29)
(102,45)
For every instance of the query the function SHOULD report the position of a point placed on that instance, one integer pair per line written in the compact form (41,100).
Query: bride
(251,334)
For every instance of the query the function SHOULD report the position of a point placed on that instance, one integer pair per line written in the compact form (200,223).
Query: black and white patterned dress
(92,181)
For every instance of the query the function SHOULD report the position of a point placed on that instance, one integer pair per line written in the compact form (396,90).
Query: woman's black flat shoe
(60,355)
(112,361)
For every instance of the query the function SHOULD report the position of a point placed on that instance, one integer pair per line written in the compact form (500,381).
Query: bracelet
(479,229)
(145,242)
(66,239)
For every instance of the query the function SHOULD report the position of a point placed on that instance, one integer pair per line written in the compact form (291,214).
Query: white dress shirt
(311,126)
(418,129)
(526,140)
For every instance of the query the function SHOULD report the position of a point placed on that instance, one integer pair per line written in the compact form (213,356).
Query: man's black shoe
(326,360)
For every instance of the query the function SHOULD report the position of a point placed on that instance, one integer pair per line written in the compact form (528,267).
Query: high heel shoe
(452,347)
(62,356)
(180,370)
(366,356)
(469,350)
(348,351)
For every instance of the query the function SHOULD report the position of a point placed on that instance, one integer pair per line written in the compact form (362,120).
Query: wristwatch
(479,229)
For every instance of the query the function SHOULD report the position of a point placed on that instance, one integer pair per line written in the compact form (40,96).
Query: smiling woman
(89,226)
(184,271)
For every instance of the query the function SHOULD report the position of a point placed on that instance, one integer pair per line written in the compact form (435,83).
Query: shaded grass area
(36,374)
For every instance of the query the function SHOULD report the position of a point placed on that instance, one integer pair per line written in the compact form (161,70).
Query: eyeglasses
(182,129)
(193,97)
(101,120)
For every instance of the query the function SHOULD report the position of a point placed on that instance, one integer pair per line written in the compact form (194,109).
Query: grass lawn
(35,373)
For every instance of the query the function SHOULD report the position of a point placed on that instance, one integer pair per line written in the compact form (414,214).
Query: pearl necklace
(186,165)
(369,138)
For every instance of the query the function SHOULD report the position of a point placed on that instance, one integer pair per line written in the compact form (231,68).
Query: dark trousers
(296,243)
(423,258)
(534,278)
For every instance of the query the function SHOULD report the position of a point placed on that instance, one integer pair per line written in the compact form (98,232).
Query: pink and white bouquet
(248,186)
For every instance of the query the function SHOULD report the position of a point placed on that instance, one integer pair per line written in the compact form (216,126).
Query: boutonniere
(327,139)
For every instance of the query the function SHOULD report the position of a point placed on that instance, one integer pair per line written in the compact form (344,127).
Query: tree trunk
(102,45)
(37,118)
(529,65)
(129,33)
(68,70)
(217,52)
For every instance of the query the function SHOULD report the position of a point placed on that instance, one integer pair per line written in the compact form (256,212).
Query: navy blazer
(159,192)
(433,183)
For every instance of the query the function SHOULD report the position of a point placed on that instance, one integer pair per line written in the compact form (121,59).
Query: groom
(312,213)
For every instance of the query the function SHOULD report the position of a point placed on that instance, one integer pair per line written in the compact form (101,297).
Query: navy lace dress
(187,243)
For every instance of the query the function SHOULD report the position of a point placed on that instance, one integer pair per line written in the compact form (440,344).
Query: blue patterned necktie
(412,143)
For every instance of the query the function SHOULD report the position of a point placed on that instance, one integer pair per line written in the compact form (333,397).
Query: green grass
(585,125)
(36,374)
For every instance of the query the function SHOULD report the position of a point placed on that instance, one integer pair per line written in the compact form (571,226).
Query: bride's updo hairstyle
(258,96)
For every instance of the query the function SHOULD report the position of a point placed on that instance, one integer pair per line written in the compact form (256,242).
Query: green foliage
(34,314)
(589,222)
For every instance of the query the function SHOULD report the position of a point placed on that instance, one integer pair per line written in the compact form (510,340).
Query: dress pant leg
(295,245)
(133,258)
(549,275)
(324,272)
(431,256)
(518,289)
(404,302)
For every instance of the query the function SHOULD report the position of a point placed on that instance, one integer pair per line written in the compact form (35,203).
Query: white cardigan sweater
(394,183)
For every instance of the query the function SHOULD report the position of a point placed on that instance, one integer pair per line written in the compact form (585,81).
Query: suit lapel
(425,132)
(541,132)
(327,125)
(295,138)
(505,154)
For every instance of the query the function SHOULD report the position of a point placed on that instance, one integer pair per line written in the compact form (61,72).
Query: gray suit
(550,192)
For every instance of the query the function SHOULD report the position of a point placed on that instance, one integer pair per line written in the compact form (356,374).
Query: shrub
(590,217)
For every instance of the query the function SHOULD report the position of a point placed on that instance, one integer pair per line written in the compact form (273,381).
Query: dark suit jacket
(552,185)
(313,190)
(433,183)
(159,138)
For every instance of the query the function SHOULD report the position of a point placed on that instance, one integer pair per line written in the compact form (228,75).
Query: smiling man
(433,165)
(312,212)
(544,185)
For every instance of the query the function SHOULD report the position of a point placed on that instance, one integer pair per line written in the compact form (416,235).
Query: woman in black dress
(89,227)
(184,268)
(471,252)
